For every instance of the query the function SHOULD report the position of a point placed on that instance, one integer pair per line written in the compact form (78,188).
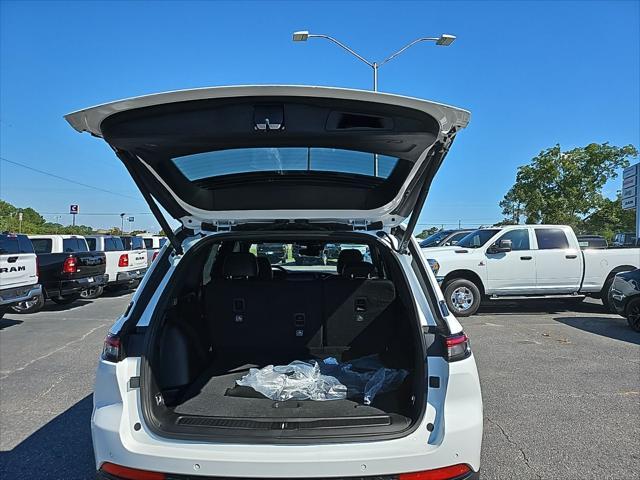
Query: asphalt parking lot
(561,390)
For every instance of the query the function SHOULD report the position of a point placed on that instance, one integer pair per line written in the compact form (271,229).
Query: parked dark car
(624,296)
(592,241)
(66,267)
(275,252)
(444,238)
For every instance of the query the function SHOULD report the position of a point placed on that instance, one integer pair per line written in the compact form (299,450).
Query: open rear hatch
(219,157)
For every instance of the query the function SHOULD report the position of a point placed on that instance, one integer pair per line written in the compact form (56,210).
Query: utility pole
(122,222)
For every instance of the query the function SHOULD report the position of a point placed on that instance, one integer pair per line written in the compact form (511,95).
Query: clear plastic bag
(296,381)
(364,377)
(326,380)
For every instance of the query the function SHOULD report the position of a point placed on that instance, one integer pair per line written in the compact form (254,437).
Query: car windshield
(434,239)
(478,238)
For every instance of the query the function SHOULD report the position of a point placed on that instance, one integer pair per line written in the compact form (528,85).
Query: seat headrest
(347,257)
(359,270)
(264,269)
(240,265)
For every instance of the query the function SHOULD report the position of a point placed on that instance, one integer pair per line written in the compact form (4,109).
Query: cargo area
(235,311)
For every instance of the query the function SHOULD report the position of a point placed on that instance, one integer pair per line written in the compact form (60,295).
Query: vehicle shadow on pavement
(50,306)
(61,449)
(6,322)
(529,307)
(116,293)
(612,327)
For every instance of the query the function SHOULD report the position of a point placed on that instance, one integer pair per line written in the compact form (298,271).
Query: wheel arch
(611,274)
(466,274)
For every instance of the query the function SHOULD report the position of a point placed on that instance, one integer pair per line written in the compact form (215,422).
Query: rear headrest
(240,265)
(264,269)
(359,270)
(347,257)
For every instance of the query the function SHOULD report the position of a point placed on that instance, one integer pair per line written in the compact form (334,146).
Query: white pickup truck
(153,244)
(18,271)
(123,270)
(524,261)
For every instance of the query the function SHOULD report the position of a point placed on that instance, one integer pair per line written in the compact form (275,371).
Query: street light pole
(443,40)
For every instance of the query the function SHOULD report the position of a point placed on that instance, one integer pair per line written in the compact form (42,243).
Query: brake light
(155,254)
(70,265)
(111,348)
(458,347)
(130,473)
(123,261)
(444,473)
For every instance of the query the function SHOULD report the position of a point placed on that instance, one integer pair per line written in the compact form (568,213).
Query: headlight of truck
(435,266)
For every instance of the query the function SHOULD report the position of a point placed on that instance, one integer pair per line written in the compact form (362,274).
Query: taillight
(111,349)
(130,473)
(458,347)
(155,254)
(123,261)
(70,265)
(444,473)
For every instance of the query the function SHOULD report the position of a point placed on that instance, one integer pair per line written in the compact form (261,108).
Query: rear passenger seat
(256,316)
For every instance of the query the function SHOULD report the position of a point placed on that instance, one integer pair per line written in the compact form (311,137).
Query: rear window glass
(551,239)
(148,243)
(15,244)
(91,242)
(74,245)
(41,245)
(293,256)
(162,242)
(137,243)
(248,160)
(113,244)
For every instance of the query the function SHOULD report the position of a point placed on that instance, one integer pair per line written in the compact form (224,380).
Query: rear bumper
(129,277)
(106,476)
(11,296)
(73,286)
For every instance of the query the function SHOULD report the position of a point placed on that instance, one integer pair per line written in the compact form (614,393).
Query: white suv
(225,366)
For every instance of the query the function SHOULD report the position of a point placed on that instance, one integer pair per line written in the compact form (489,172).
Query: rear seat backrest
(358,311)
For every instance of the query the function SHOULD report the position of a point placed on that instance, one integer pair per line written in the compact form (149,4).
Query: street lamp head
(301,36)
(445,40)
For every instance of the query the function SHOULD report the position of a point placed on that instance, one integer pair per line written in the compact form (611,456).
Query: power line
(67,179)
(95,213)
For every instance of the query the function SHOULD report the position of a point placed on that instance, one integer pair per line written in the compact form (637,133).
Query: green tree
(609,219)
(425,233)
(564,187)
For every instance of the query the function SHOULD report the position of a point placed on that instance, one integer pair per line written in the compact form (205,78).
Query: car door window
(92,244)
(456,238)
(148,243)
(137,243)
(551,239)
(519,239)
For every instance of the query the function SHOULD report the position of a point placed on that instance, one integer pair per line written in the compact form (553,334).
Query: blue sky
(533,74)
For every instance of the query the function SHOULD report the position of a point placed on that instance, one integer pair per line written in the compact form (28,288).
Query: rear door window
(42,245)
(551,239)
(148,243)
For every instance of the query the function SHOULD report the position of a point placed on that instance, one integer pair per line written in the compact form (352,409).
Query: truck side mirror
(502,246)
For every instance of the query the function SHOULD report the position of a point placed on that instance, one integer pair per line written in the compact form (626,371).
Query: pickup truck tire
(92,293)
(66,300)
(633,314)
(462,296)
(29,306)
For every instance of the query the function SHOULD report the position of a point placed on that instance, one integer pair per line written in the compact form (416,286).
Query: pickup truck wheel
(92,293)
(462,297)
(66,300)
(29,306)
(633,314)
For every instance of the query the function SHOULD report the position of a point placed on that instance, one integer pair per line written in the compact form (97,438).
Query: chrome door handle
(571,256)
(526,258)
